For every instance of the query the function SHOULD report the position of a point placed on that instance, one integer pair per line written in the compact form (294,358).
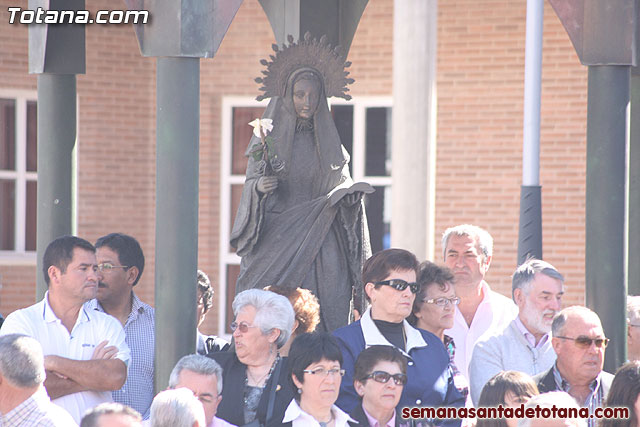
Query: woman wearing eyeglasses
(390,285)
(433,311)
(316,373)
(256,388)
(379,377)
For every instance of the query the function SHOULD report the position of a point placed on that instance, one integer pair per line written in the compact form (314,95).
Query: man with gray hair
(633,328)
(176,408)
(524,345)
(579,342)
(203,376)
(23,399)
(467,251)
(111,414)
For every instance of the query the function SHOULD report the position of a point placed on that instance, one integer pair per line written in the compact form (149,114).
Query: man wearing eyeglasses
(120,266)
(203,376)
(524,345)
(579,342)
(633,328)
(86,355)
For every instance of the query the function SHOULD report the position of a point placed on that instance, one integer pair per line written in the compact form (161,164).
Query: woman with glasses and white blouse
(379,378)
(256,385)
(389,279)
(316,373)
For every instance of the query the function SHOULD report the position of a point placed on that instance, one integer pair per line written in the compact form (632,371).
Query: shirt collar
(564,385)
(372,335)
(531,339)
(294,412)
(49,316)
(374,423)
(137,307)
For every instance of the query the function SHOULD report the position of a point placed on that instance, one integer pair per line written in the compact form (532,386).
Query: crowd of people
(433,336)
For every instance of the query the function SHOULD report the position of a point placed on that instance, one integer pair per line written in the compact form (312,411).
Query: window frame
(19,256)
(227,179)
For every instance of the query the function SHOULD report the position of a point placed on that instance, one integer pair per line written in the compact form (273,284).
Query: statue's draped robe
(293,237)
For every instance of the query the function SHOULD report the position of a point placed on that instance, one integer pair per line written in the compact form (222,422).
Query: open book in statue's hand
(359,187)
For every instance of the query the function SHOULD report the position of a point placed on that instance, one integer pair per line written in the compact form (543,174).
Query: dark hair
(624,393)
(204,288)
(307,349)
(59,253)
(380,264)
(494,391)
(369,357)
(429,274)
(305,306)
(128,250)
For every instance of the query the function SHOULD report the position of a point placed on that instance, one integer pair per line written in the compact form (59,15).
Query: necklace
(265,377)
(323,424)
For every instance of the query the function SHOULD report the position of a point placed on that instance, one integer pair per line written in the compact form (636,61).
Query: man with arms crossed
(86,355)
(524,345)
(467,252)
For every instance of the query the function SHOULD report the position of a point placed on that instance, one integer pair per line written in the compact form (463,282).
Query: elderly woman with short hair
(389,279)
(255,375)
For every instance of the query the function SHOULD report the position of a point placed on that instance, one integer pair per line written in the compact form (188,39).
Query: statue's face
(305,97)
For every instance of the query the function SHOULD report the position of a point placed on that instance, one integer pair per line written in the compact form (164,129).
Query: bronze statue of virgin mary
(293,227)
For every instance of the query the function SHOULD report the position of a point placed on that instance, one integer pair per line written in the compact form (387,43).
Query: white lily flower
(266,124)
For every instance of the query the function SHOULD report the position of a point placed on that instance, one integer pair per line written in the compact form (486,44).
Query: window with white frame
(18,173)
(364,126)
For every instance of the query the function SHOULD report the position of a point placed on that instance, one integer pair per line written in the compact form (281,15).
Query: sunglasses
(400,285)
(243,326)
(585,342)
(384,377)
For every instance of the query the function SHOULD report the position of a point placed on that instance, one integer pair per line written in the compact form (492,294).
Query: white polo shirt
(91,328)
(494,313)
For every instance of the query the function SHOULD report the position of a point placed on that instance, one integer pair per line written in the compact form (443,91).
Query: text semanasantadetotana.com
(509,412)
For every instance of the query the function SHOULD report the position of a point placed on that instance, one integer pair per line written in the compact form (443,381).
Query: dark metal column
(604,35)
(335,19)
(178,115)
(56,54)
(56,140)
(608,103)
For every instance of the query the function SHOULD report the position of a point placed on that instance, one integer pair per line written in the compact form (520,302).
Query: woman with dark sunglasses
(390,285)
(379,378)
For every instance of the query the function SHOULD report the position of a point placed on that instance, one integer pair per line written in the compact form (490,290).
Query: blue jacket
(430,378)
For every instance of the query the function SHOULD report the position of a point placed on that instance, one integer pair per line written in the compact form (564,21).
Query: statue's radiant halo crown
(307,53)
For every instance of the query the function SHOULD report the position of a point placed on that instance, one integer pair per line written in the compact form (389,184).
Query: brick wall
(480,87)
